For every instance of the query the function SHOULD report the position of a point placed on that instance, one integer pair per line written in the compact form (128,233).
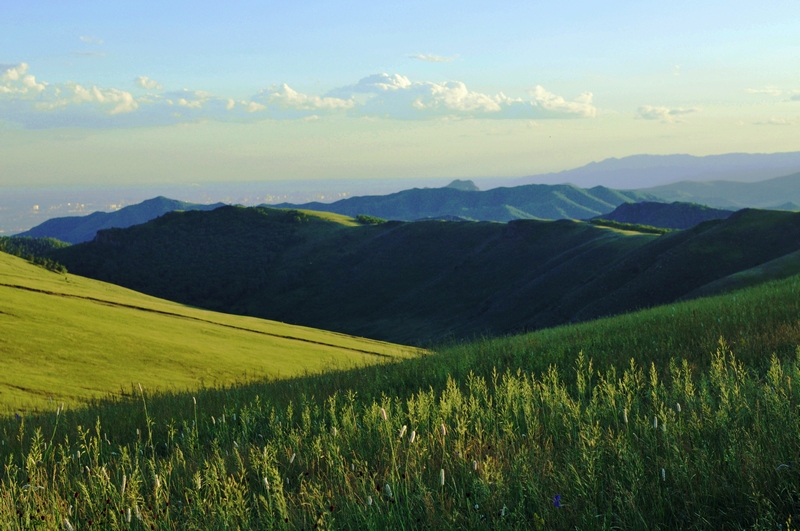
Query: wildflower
(266,484)
(663,475)
(292,459)
(625,415)
(678,406)
(158,483)
(441,477)
(474,465)
(503,510)
(213,420)
(369,500)
(388,490)
(138,512)
(557,500)
(67,525)
(477,506)
(124,483)
(128,515)
(443,429)
(655,422)
(403,431)
(412,436)
(335,431)
(383,414)
(194,400)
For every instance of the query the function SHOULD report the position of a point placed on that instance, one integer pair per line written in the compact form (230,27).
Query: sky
(189,92)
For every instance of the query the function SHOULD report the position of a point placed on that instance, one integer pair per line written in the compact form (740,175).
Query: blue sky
(243,90)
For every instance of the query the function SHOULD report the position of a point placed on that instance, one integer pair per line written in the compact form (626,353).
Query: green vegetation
(464,200)
(369,220)
(641,421)
(634,227)
(675,215)
(33,250)
(70,339)
(426,281)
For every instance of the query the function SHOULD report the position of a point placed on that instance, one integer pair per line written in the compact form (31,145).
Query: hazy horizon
(96,94)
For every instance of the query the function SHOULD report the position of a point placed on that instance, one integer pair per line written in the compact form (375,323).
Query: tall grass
(644,421)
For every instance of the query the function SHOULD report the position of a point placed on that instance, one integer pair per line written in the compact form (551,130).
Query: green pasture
(69,339)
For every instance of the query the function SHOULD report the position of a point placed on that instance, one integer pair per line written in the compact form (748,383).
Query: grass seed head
(412,437)
(443,429)
(403,430)
(383,414)
(441,475)
(678,406)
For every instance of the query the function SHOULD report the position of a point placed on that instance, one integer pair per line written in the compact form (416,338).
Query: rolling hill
(71,339)
(427,281)
(77,229)
(535,201)
(675,215)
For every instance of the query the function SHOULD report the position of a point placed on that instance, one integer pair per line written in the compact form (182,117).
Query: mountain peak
(464,186)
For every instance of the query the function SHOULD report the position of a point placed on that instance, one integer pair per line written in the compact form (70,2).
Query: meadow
(69,339)
(682,416)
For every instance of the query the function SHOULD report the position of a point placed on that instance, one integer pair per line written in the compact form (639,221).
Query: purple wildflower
(557,500)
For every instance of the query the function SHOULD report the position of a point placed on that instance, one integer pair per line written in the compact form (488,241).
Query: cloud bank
(34,104)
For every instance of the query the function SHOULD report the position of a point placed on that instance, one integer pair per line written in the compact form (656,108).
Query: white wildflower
(441,477)
(403,430)
(412,437)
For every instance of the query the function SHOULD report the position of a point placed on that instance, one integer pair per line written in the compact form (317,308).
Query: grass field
(685,416)
(69,339)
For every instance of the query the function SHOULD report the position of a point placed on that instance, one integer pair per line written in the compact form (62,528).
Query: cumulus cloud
(36,104)
(284,97)
(16,80)
(147,83)
(395,96)
(431,58)
(664,114)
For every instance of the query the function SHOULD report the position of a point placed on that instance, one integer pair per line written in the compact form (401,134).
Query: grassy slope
(73,339)
(665,215)
(309,268)
(427,281)
(516,435)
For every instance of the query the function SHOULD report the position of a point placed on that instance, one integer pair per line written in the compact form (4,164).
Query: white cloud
(664,114)
(395,96)
(113,101)
(16,80)
(776,121)
(285,97)
(431,58)
(147,83)
(770,91)
(36,105)
(582,106)
(795,95)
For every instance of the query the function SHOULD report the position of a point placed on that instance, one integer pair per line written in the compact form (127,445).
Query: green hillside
(533,201)
(70,339)
(685,416)
(674,215)
(426,281)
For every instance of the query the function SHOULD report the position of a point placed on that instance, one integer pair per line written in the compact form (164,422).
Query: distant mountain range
(77,229)
(645,171)
(425,281)
(780,193)
(463,199)
(675,215)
